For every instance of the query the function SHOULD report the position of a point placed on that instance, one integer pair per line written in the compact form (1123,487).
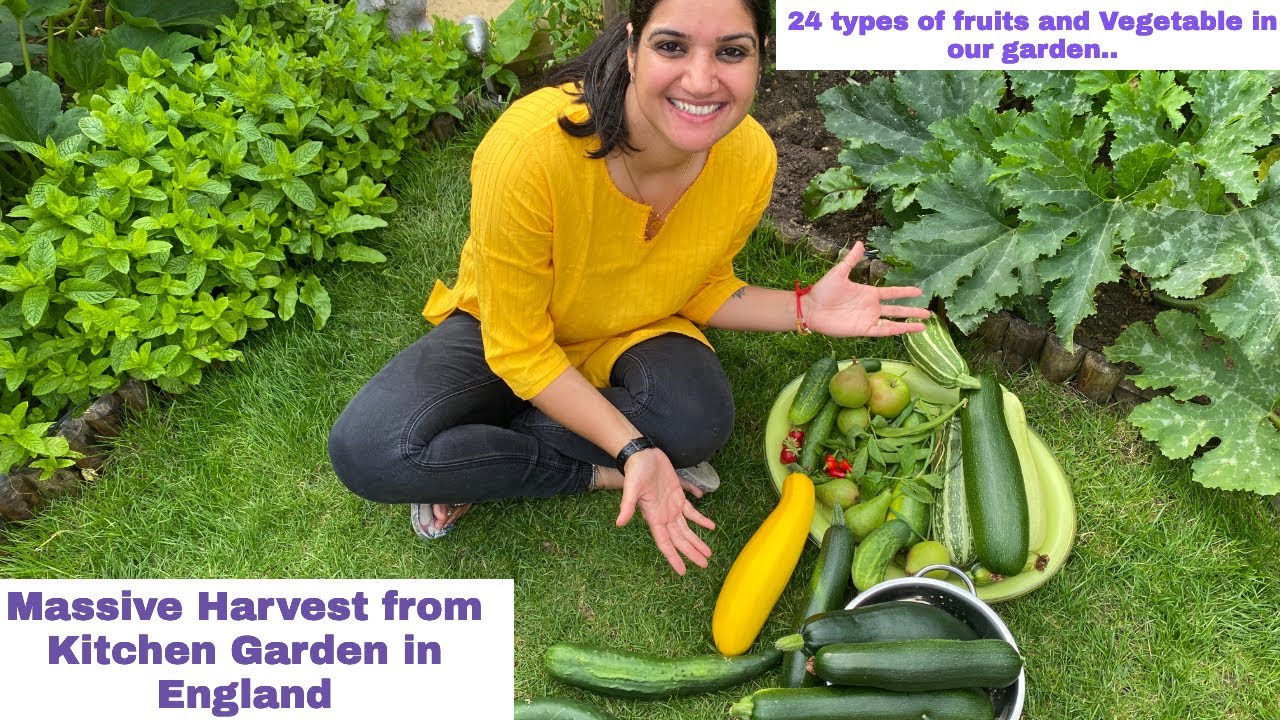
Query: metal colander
(965,606)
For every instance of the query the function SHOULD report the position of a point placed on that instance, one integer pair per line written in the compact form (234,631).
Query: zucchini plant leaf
(1229,106)
(1240,412)
(896,115)
(1146,111)
(832,191)
(1067,209)
(977,264)
(1246,312)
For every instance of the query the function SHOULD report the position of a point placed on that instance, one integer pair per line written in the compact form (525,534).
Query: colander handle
(953,570)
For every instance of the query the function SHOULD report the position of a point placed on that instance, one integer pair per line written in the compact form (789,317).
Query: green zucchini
(632,675)
(994,491)
(951,525)
(916,665)
(827,588)
(813,392)
(893,620)
(852,703)
(818,431)
(934,353)
(558,708)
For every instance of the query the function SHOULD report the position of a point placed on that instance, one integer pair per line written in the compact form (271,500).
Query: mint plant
(200,197)
(1027,191)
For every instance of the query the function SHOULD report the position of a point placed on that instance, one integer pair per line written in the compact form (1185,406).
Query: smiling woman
(569,353)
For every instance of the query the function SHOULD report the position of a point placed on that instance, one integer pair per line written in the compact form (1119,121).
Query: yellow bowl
(1055,491)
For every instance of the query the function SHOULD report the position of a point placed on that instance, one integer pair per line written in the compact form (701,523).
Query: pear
(849,387)
(850,418)
(837,491)
(868,515)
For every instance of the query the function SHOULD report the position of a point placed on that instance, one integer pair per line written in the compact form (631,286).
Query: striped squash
(935,354)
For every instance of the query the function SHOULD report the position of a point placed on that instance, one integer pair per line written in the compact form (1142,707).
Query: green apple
(926,553)
(889,394)
(849,386)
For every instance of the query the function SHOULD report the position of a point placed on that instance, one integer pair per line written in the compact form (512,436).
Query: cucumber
(877,550)
(631,675)
(994,490)
(558,708)
(951,513)
(819,430)
(934,353)
(915,513)
(893,620)
(850,703)
(813,392)
(916,665)
(827,588)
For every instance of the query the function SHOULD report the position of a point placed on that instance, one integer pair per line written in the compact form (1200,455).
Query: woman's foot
(432,521)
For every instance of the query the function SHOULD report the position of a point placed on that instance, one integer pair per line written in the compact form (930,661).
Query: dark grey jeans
(437,425)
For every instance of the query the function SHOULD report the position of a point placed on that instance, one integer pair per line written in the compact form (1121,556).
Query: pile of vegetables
(944,484)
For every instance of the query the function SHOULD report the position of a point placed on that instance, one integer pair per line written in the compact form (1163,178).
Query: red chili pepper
(845,466)
(832,467)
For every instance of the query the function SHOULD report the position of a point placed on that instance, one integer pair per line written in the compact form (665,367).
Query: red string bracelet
(802,327)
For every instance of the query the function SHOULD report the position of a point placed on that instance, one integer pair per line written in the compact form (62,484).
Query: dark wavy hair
(602,76)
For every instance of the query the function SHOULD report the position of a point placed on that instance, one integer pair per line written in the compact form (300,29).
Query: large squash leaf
(1241,412)
(31,111)
(978,263)
(174,13)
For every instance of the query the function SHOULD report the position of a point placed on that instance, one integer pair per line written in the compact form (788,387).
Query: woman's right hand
(650,482)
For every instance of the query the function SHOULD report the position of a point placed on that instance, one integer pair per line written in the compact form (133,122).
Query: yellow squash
(763,568)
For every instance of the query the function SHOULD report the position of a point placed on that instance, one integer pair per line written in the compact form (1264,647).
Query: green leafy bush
(200,198)
(1027,191)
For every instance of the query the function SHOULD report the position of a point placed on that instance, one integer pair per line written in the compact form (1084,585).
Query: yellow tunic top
(557,268)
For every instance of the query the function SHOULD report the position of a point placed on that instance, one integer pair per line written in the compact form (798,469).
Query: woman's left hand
(840,307)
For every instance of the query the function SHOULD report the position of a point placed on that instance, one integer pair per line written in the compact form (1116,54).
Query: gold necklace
(657,219)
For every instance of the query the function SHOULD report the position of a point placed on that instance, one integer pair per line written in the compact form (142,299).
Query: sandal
(423,521)
(702,476)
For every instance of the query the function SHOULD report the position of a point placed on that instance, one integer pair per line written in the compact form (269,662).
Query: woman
(568,355)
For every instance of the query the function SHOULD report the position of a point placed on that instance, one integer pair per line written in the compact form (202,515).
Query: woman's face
(694,73)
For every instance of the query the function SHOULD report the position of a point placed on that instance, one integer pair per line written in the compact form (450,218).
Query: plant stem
(22,42)
(75,22)
(48,52)
(1192,303)
(1275,419)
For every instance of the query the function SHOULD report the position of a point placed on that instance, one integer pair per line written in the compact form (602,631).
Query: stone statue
(403,16)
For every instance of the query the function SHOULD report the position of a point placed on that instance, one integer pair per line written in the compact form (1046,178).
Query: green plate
(1055,491)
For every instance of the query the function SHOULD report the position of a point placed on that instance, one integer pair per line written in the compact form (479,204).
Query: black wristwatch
(631,448)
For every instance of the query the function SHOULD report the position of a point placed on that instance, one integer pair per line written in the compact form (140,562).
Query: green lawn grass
(1169,606)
